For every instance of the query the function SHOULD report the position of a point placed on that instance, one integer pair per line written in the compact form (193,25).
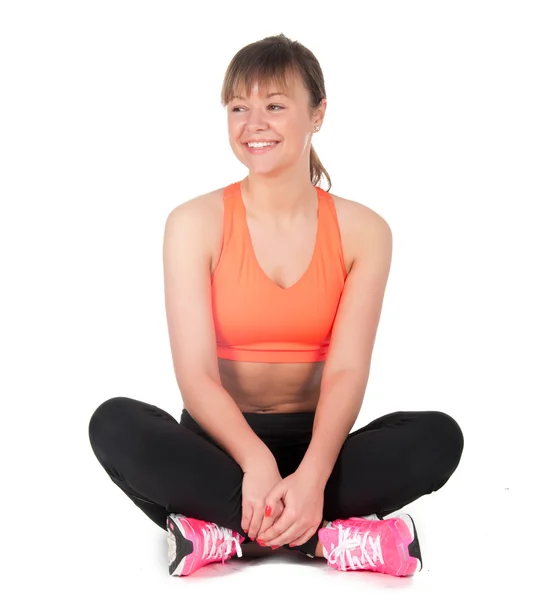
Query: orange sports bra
(255,319)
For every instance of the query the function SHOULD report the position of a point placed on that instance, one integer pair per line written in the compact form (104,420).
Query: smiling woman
(284,79)
(273,293)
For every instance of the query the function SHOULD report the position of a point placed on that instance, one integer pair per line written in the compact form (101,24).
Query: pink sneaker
(193,543)
(385,546)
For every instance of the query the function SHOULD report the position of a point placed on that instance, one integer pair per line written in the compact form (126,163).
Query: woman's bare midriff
(278,387)
(272,387)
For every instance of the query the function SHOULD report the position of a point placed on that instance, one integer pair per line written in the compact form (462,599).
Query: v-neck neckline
(252,252)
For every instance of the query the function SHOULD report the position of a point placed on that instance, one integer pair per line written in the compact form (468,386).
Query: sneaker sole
(179,547)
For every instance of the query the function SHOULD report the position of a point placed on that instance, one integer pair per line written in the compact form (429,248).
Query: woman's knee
(447,436)
(106,418)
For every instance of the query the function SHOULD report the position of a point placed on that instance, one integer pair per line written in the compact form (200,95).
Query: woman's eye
(237,108)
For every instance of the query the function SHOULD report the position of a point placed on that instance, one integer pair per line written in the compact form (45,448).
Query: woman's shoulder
(355,214)
(207,211)
(203,203)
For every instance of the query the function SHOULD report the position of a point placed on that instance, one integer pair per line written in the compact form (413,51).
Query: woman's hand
(258,479)
(302,495)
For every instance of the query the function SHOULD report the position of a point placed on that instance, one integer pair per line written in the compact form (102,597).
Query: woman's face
(274,117)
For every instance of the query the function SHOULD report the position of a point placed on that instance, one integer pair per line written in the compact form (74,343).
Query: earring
(316,127)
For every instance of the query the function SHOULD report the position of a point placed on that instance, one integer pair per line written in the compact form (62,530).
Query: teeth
(260,144)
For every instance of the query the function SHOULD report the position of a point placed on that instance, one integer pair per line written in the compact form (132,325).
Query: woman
(273,290)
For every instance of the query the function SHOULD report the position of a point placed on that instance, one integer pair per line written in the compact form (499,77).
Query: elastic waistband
(273,356)
(283,426)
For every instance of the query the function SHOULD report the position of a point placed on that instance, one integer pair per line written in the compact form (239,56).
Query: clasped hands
(302,498)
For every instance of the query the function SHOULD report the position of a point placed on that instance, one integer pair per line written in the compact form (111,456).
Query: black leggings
(164,466)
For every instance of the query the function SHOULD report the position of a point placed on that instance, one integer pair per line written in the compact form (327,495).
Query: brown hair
(276,59)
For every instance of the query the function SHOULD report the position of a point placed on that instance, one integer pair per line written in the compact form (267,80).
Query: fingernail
(274,547)
(267,511)
(260,542)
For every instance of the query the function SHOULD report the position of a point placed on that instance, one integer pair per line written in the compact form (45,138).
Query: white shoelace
(218,542)
(348,542)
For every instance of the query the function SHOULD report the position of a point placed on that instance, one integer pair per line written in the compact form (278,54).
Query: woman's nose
(256,120)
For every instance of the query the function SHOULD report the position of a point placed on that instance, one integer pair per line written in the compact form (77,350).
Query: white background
(110,117)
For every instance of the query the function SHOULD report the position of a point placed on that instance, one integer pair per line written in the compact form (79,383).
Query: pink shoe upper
(211,543)
(358,543)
